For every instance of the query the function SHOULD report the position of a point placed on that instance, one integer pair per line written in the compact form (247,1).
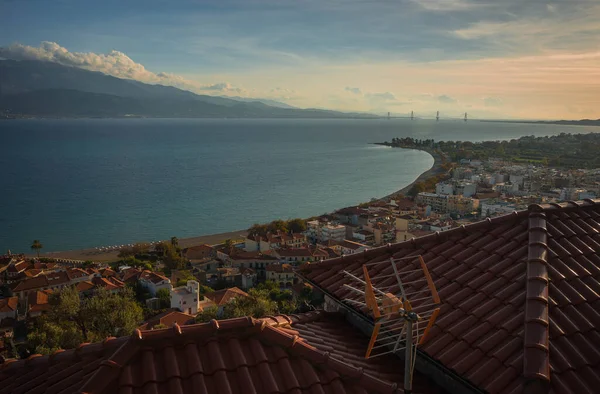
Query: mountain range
(44,89)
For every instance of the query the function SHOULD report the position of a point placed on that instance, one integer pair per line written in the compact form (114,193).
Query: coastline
(212,239)
(435,169)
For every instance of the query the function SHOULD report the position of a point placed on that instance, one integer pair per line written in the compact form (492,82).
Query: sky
(493,59)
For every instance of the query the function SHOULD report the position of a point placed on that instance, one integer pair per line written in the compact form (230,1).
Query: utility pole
(437,116)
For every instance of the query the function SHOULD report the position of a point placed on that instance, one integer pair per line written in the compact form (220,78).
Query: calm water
(83,183)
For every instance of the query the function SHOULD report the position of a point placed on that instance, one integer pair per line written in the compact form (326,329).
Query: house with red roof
(8,308)
(16,268)
(38,302)
(221,297)
(167,319)
(309,353)
(154,281)
(520,299)
(282,274)
(299,255)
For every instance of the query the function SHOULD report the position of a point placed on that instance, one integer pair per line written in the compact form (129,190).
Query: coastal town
(52,303)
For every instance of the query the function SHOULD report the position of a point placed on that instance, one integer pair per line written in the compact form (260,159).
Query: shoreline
(435,169)
(94,255)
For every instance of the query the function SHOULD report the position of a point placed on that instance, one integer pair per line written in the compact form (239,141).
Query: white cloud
(386,96)
(114,63)
(223,87)
(447,5)
(445,99)
(492,101)
(353,90)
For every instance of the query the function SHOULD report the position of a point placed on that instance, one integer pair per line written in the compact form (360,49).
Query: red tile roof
(17,267)
(29,284)
(331,332)
(84,286)
(240,355)
(222,297)
(38,301)
(169,319)
(9,304)
(520,296)
(75,273)
(152,276)
(57,278)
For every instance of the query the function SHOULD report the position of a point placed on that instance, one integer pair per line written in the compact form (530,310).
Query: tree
(297,225)
(175,242)
(207,314)
(164,296)
(229,245)
(72,321)
(36,245)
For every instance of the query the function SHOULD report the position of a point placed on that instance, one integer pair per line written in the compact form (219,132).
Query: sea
(79,183)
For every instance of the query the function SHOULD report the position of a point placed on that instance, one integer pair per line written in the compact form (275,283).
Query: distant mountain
(269,102)
(582,122)
(44,89)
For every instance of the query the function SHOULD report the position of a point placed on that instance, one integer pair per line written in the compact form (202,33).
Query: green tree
(207,314)
(164,296)
(229,245)
(175,242)
(71,321)
(297,225)
(36,245)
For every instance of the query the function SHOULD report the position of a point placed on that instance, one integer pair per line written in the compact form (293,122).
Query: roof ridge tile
(536,366)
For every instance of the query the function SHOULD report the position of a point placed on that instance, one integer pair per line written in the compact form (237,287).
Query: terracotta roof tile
(221,297)
(238,356)
(520,293)
(9,304)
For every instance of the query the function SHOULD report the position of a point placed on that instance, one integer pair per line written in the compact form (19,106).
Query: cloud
(353,90)
(444,99)
(447,5)
(492,101)
(114,63)
(223,87)
(386,96)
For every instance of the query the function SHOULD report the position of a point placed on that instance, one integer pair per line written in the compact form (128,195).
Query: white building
(489,208)
(437,202)
(336,232)
(444,188)
(186,298)
(466,189)
(154,282)
(313,229)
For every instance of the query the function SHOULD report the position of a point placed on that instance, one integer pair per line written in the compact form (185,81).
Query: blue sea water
(90,182)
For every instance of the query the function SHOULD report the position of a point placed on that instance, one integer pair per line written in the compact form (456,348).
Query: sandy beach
(435,169)
(97,256)
(213,239)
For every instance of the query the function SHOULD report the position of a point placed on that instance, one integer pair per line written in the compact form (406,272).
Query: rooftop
(520,297)
(169,319)
(9,304)
(305,353)
(242,355)
(221,297)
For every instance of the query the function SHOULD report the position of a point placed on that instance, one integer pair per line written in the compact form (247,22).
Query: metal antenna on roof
(404,303)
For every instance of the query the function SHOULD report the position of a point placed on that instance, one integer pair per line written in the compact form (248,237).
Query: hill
(44,89)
